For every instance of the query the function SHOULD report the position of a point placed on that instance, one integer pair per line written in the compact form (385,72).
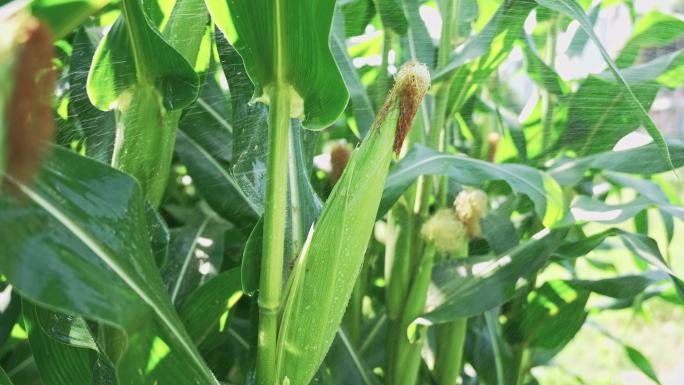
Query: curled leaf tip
(412,83)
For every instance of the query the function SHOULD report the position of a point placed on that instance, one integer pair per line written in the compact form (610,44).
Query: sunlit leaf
(467,287)
(575,11)
(317,90)
(69,215)
(539,187)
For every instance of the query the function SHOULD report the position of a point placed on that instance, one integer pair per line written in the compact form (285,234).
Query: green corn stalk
(449,353)
(408,353)
(326,271)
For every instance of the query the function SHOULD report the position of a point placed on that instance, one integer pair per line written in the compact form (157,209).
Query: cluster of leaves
(112,274)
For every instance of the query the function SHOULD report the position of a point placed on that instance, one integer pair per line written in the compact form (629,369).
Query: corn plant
(330,192)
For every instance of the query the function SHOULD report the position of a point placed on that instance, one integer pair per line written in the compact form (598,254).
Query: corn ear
(327,269)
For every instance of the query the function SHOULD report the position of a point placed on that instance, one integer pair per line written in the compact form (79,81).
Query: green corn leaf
(588,209)
(418,40)
(483,54)
(139,73)
(70,214)
(487,49)
(58,362)
(135,55)
(621,287)
(99,127)
(553,315)
(541,73)
(591,130)
(360,102)
(651,31)
(642,363)
(250,126)
(543,190)
(205,307)
(251,259)
(215,182)
(357,15)
(575,11)
(158,234)
(327,268)
(195,256)
(466,287)
(346,364)
(641,246)
(317,89)
(64,16)
(4,380)
(208,122)
(206,142)
(638,160)
(581,38)
(392,15)
(10,313)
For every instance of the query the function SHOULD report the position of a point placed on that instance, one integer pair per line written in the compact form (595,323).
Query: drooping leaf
(625,286)
(539,187)
(653,30)
(638,160)
(587,209)
(641,246)
(594,127)
(306,64)
(68,216)
(575,11)
(145,58)
(467,287)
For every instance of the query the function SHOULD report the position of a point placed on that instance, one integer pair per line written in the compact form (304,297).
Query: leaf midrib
(103,255)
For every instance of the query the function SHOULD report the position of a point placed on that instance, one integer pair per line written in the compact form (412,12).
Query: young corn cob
(325,273)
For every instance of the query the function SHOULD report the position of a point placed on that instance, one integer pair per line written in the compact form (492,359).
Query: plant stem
(270,280)
(449,354)
(408,353)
